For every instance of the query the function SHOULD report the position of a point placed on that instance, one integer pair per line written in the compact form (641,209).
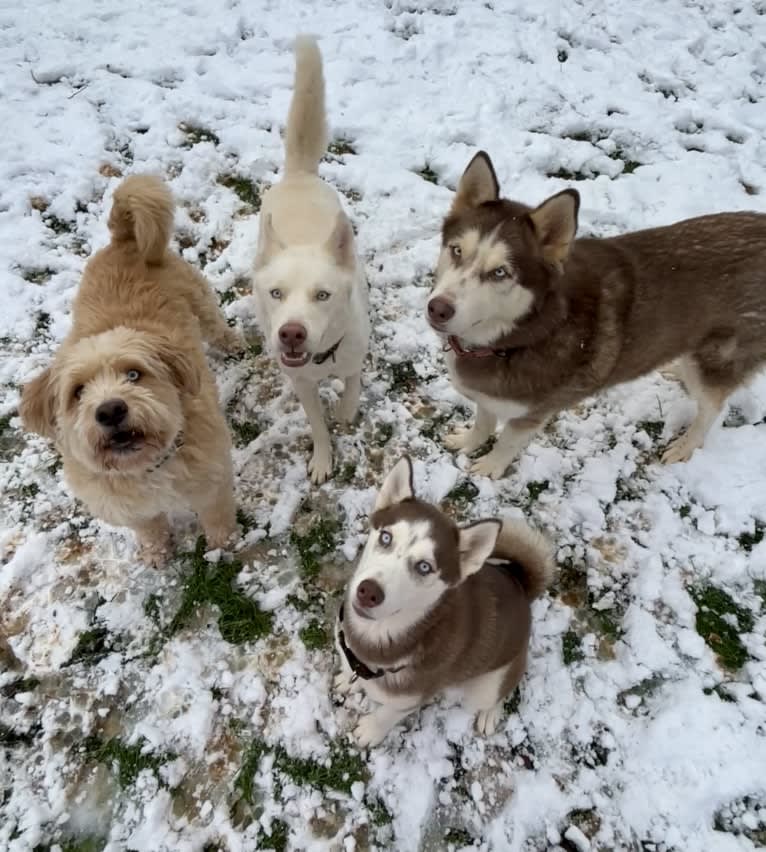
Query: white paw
(369,731)
(320,467)
(490,465)
(462,439)
(486,720)
(680,450)
(343,684)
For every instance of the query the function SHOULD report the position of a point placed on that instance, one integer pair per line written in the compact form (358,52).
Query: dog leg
(349,403)
(511,441)
(373,728)
(486,695)
(154,540)
(219,517)
(214,327)
(320,465)
(710,402)
(470,439)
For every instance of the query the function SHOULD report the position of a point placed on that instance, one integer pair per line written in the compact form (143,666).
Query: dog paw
(490,465)
(369,732)
(320,467)
(220,537)
(680,450)
(486,720)
(460,439)
(343,684)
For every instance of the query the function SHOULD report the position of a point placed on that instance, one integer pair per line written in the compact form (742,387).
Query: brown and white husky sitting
(537,320)
(432,605)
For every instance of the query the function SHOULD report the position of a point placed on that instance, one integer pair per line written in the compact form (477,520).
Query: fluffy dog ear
(397,486)
(476,543)
(182,363)
(38,405)
(269,244)
(555,225)
(341,242)
(477,185)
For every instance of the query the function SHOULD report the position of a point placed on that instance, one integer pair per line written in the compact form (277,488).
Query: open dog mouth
(126,441)
(295,359)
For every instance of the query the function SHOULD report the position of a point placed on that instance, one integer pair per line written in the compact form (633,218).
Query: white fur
(305,245)
(485,310)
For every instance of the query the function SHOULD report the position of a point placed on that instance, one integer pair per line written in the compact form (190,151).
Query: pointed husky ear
(477,185)
(476,544)
(555,225)
(38,405)
(397,486)
(269,244)
(340,243)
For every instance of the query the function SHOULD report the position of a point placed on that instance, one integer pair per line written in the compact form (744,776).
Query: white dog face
(304,292)
(113,401)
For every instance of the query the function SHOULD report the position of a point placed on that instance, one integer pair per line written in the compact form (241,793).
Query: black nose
(112,412)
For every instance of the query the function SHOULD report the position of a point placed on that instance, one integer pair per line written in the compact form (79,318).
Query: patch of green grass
(748,540)
(653,428)
(37,275)
(152,609)
(512,703)
(316,542)
(571,647)
(428,174)
(339,147)
(58,226)
(642,689)
(759,586)
(629,166)
(314,635)
(240,619)
(535,489)
(604,622)
(89,843)
(92,645)
(338,772)
(195,134)
(42,323)
(245,189)
(721,692)
(127,760)
(685,511)
(245,521)
(245,431)
(379,813)
(347,473)
(565,174)
(625,491)
(432,426)
(463,493)
(383,434)
(715,610)
(458,837)
(403,376)
(12,737)
(277,839)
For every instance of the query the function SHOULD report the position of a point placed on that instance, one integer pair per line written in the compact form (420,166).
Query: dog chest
(503,409)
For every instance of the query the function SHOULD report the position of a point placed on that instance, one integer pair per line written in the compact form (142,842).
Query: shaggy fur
(129,399)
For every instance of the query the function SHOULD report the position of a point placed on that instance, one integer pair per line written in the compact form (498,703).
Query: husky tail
(531,550)
(142,212)
(306,136)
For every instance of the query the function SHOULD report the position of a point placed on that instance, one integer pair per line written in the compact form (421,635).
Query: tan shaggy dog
(129,398)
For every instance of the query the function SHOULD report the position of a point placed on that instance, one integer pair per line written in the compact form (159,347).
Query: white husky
(310,290)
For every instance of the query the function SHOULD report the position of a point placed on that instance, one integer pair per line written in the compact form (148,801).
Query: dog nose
(440,310)
(112,412)
(369,594)
(292,334)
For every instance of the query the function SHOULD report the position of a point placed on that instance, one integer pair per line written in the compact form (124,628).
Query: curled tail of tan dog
(518,541)
(306,135)
(142,212)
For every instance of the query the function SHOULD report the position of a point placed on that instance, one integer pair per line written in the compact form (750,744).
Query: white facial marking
(477,275)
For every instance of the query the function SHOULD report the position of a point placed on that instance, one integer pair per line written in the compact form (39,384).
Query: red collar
(453,343)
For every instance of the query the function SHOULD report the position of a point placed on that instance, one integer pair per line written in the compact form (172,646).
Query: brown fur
(607,311)
(141,308)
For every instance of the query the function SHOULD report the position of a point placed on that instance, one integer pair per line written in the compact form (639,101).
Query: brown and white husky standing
(537,320)
(432,605)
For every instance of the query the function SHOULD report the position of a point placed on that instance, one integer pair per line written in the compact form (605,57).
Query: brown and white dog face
(112,401)
(414,553)
(498,257)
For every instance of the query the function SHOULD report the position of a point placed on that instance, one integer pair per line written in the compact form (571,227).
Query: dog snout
(440,310)
(292,335)
(370,594)
(112,412)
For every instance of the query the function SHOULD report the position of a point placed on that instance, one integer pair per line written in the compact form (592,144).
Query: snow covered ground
(162,710)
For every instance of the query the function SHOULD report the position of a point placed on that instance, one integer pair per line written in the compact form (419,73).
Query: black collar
(360,669)
(321,357)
